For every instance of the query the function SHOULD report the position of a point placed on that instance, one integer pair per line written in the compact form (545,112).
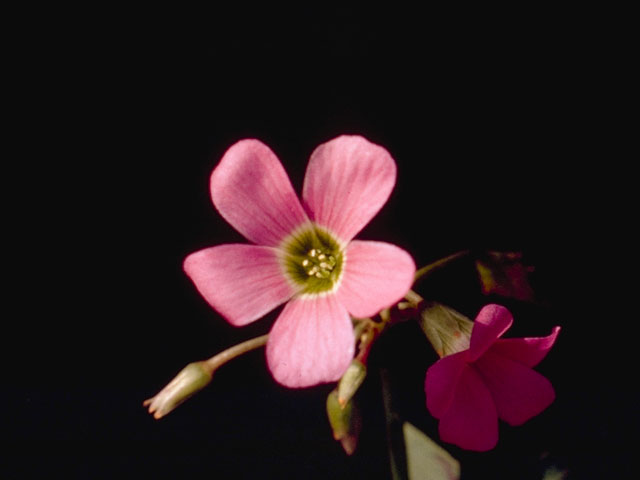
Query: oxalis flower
(303,253)
(492,378)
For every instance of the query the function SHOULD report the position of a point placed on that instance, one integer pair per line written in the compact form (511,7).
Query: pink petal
(441,382)
(519,392)
(347,182)
(492,321)
(311,342)
(529,350)
(251,190)
(471,421)
(242,282)
(376,276)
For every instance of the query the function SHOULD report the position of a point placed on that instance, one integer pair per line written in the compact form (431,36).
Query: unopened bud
(448,330)
(345,422)
(349,443)
(339,415)
(351,381)
(191,379)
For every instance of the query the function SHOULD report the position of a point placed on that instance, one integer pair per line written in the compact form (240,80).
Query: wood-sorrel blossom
(493,377)
(303,254)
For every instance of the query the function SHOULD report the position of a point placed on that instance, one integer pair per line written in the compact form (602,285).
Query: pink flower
(303,254)
(470,389)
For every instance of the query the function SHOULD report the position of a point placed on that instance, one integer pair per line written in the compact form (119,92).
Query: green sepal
(448,331)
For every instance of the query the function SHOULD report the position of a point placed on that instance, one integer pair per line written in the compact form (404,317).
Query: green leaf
(426,460)
(552,473)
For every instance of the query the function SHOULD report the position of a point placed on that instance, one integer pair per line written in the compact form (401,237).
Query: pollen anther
(318,264)
(314,260)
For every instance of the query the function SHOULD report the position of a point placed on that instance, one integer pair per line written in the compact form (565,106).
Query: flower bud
(191,379)
(339,415)
(345,422)
(351,381)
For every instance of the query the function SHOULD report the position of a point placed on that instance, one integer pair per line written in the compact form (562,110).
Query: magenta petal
(529,350)
(347,182)
(519,392)
(251,190)
(441,382)
(311,342)
(242,282)
(376,276)
(492,321)
(471,421)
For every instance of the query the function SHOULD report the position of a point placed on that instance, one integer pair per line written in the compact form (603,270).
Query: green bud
(345,422)
(351,381)
(448,330)
(339,415)
(191,379)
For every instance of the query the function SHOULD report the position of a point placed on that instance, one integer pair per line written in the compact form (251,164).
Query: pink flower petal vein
(347,182)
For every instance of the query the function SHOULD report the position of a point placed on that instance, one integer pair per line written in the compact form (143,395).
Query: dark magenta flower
(493,378)
(303,253)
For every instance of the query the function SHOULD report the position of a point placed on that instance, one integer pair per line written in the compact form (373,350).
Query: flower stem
(413,298)
(427,269)
(194,377)
(395,441)
(223,357)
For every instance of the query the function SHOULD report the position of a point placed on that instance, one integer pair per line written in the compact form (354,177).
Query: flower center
(313,259)
(319,263)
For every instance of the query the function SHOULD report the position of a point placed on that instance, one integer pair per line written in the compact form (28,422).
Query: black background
(495,127)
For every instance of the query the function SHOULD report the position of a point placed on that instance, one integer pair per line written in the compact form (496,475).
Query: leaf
(503,273)
(426,460)
(552,473)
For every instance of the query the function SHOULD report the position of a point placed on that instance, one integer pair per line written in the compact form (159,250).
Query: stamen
(314,260)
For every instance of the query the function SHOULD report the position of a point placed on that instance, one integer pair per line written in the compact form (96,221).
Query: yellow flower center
(313,259)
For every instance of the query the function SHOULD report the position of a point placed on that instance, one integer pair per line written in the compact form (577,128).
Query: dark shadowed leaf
(503,273)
